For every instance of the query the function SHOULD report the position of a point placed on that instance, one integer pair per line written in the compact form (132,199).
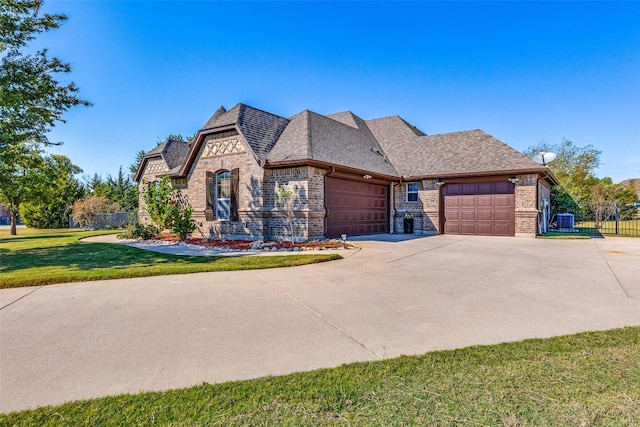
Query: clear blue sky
(523,72)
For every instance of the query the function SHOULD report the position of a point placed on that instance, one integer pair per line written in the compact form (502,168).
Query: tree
(579,190)
(133,167)
(157,197)
(179,137)
(96,185)
(32,100)
(575,169)
(50,207)
(20,178)
(122,191)
(84,211)
(169,208)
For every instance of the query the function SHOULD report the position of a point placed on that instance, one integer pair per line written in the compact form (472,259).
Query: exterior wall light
(439,183)
(513,179)
(367,176)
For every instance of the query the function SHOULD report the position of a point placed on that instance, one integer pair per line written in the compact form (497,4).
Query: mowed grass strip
(589,379)
(45,257)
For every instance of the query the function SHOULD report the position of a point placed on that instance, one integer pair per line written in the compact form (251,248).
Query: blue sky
(524,72)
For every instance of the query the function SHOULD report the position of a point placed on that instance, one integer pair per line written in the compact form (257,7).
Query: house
(349,176)
(5,216)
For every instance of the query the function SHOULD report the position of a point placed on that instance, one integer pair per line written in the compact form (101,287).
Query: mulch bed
(243,245)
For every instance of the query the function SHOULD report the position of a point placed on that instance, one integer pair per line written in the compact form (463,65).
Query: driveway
(83,340)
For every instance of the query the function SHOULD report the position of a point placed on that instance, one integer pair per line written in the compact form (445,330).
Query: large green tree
(58,189)
(32,99)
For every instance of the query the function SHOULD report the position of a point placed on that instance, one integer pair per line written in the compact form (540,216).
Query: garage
(355,208)
(484,209)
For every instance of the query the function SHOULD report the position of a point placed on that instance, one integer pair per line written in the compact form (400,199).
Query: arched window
(223,195)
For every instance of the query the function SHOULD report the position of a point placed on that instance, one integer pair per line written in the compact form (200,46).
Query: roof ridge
(309,138)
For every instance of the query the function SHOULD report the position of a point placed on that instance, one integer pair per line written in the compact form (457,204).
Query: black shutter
(210,211)
(235,183)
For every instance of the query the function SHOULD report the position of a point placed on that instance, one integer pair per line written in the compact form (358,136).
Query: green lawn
(589,379)
(43,257)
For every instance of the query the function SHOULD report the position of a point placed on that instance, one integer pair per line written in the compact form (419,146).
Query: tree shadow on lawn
(90,256)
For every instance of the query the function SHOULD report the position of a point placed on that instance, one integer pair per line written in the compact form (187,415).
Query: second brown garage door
(486,209)
(355,208)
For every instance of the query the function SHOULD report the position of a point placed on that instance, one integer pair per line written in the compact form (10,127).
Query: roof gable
(172,152)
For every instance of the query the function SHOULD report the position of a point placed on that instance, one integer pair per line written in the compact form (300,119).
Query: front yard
(44,257)
(589,379)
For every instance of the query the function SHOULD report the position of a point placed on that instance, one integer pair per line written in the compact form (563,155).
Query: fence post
(617,219)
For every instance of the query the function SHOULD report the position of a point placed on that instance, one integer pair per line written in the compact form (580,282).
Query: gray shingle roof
(387,146)
(454,153)
(311,136)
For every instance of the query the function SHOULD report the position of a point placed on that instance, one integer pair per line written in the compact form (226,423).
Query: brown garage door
(486,209)
(355,208)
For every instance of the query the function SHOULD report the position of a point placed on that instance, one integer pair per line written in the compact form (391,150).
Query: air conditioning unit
(565,221)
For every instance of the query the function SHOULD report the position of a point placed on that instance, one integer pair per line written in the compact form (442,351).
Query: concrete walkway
(81,340)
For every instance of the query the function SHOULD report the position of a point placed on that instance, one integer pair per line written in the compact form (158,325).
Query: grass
(581,234)
(44,257)
(588,379)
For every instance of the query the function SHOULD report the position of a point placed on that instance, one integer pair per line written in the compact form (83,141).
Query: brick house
(349,175)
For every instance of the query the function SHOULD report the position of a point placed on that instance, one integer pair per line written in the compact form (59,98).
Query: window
(223,195)
(412,192)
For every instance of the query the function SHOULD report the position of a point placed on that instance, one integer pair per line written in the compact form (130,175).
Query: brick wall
(227,151)
(526,211)
(308,204)
(425,211)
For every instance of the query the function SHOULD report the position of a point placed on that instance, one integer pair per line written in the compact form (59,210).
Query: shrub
(135,230)
(169,208)
(84,211)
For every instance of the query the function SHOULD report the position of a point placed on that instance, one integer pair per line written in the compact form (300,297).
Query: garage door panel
(485,201)
(503,230)
(452,202)
(452,227)
(485,229)
(468,201)
(469,228)
(503,200)
(485,215)
(502,215)
(468,214)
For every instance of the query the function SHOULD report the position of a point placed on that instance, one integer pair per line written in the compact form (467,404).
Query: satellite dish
(543,157)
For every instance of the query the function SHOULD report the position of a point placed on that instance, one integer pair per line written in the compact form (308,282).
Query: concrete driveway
(83,340)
